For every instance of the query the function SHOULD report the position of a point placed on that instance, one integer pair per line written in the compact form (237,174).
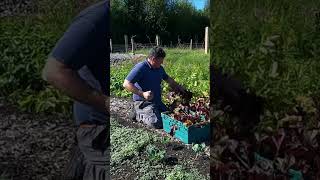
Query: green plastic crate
(188,135)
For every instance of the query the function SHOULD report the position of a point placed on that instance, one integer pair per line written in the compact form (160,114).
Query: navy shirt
(146,78)
(85,47)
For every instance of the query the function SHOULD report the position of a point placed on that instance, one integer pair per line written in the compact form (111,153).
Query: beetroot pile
(189,113)
(291,151)
(286,154)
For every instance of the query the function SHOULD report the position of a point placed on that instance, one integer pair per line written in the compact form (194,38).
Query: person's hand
(101,101)
(148,95)
(186,95)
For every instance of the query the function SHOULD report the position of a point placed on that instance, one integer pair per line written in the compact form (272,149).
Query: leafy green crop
(198,147)
(189,68)
(180,173)
(118,74)
(165,140)
(25,44)
(127,142)
(273,47)
(154,153)
(139,149)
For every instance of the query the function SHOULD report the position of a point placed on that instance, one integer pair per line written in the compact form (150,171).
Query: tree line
(173,20)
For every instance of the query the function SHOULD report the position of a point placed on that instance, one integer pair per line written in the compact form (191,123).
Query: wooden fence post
(126,42)
(132,45)
(110,45)
(206,40)
(190,44)
(157,40)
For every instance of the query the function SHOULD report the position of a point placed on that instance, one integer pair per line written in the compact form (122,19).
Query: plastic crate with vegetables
(186,120)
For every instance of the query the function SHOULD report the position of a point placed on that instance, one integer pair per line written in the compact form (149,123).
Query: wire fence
(121,48)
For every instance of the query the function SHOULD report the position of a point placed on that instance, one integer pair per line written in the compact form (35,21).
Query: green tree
(168,18)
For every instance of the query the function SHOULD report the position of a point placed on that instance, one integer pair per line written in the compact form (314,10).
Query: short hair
(157,52)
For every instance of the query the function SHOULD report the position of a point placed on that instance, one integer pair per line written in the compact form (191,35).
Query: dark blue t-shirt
(146,78)
(85,47)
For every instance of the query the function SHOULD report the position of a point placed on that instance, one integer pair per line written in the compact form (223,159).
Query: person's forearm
(172,83)
(132,88)
(79,90)
(69,82)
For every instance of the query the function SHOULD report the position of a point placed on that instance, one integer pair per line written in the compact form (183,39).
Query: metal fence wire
(138,46)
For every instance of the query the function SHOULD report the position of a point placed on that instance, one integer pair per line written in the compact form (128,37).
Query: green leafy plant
(198,148)
(25,45)
(154,153)
(272,55)
(127,142)
(165,140)
(180,173)
(48,100)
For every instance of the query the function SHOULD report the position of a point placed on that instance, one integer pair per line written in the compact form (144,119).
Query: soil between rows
(177,153)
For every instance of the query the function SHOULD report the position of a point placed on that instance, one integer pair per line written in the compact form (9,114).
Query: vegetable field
(142,153)
(273,48)
(190,68)
(25,44)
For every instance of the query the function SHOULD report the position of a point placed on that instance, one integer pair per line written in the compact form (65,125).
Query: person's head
(156,57)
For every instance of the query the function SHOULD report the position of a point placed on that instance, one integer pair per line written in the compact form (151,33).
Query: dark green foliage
(25,45)
(144,19)
(155,154)
(272,46)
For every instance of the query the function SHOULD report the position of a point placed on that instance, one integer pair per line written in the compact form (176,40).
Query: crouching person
(78,67)
(144,81)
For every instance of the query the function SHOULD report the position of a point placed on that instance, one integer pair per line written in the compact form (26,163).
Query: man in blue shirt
(78,66)
(144,81)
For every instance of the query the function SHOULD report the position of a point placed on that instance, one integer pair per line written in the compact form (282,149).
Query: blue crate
(188,135)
